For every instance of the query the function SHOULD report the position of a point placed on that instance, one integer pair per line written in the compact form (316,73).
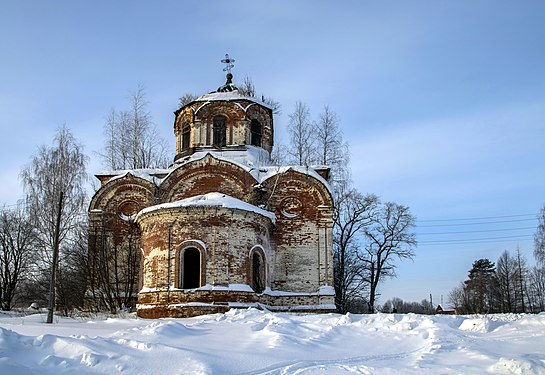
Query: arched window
(190,275)
(255,133)
(258,272)
(186,131)
(219,134)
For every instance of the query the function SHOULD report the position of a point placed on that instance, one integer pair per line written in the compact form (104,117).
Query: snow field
(259,342)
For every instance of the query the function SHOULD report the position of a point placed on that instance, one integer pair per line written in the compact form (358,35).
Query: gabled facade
(221,228)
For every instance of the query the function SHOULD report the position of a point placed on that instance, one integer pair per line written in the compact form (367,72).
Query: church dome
(223,120)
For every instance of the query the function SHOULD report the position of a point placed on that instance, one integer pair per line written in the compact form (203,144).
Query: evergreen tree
(481,287)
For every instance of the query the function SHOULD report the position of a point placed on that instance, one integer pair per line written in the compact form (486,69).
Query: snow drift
(258,342)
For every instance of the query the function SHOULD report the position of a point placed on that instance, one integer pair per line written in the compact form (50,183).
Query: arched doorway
(191,268)
(258,272)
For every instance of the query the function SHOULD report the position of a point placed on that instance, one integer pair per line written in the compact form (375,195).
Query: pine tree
(481,287)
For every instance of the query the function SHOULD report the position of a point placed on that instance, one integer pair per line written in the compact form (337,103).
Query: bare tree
(111,140)
(17,241)
(332,150)
(114,264)
(186,98)
(506,269)
(352,214)
(301,135)
(539,238)
(55,171)
(73,275)
(247,88)
(521,281)
(457,297)
(131,139)
(537,288)
(389,237)
(278,154)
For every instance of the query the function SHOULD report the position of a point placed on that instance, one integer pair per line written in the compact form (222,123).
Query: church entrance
(258,273)
(191,268)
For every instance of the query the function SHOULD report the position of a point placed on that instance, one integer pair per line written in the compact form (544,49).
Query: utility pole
(51,306)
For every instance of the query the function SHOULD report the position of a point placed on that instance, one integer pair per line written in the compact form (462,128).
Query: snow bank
(259,342)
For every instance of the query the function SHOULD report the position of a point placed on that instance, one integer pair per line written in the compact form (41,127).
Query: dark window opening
(219,134)
(255,131)
(186,131)
(191,272)
(258,273)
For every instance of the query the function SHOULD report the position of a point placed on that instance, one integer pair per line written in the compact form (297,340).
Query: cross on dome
(228,63)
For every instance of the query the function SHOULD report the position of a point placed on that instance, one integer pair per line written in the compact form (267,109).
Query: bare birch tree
(539,238)
(301,135)
(55,170)
(131,140)
(332,150)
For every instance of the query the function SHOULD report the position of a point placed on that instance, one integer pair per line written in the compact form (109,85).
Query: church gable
(297,195)
(116,194)
(207,175)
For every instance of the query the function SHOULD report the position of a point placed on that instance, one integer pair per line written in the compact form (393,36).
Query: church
(222,227)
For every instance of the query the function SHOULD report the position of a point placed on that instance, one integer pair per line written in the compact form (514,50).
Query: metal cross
(228,63)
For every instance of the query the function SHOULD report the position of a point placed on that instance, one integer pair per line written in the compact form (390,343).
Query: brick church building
(221,228)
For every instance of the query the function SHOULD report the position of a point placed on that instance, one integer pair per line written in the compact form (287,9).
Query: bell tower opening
(219,132)
(255,133)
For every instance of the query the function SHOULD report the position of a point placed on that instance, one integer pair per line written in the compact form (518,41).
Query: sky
(442,103)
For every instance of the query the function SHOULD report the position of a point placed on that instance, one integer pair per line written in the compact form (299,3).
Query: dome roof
(214,199)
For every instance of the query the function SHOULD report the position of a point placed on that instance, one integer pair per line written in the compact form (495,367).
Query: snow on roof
(215,96)
(254,160)
(153,175)
(211,200)
(248,158)
(270,171)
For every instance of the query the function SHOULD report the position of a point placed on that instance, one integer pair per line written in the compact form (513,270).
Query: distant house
(440,310)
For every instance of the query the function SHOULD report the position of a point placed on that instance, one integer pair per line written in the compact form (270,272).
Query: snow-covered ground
(258,342)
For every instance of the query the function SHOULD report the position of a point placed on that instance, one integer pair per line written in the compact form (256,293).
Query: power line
(477,218)
(475,240)
(475,231)
(477,223)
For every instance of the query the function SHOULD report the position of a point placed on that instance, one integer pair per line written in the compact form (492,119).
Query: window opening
(255,130)
(186,131)
(219,134)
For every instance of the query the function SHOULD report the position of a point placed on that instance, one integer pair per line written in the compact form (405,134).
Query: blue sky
(443,103)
